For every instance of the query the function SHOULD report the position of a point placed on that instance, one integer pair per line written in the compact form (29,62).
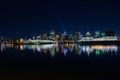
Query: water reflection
(65,49)
(2,47)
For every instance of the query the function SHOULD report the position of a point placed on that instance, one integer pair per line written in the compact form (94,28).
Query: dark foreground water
(53,61)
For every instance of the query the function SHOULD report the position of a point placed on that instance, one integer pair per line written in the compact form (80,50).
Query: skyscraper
(77,35)
(97,34)
(52,35)
(44,36)
(88,34)
(60,37)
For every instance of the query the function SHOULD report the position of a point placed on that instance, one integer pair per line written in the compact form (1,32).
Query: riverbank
(117,42)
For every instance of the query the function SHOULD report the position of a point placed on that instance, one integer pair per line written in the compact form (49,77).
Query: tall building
(44,36)
(88,34)
(77,35)
(52,35)
(57,36)
(65,33)
(60,37)
(33,37)
(71,37)
(39,37)
(97,34)
(65,36)
(102,34)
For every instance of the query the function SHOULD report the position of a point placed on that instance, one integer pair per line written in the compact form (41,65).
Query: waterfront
(60,59)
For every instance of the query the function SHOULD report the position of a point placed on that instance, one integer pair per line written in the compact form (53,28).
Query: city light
(55,38)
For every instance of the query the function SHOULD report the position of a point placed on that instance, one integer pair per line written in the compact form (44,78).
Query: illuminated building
(88,34)
(21,40)
(39,37)
(102,34)
(64,37)
(33,37)
(97,34)
(70,37)
(44,36)
(60,37)
(77,35)
(64,34)
(57,36)
(52,35)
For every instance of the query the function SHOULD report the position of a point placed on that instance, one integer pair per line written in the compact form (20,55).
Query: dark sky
(27,18)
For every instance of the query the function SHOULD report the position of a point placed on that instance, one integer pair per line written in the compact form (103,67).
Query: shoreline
(99,42)
(81,43)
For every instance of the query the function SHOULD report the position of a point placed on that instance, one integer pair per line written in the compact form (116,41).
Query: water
(64,59)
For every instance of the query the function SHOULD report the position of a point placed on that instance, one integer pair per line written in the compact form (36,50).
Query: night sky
(27,18)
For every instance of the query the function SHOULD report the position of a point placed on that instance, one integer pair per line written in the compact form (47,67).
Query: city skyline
(53,33)
(59,39)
